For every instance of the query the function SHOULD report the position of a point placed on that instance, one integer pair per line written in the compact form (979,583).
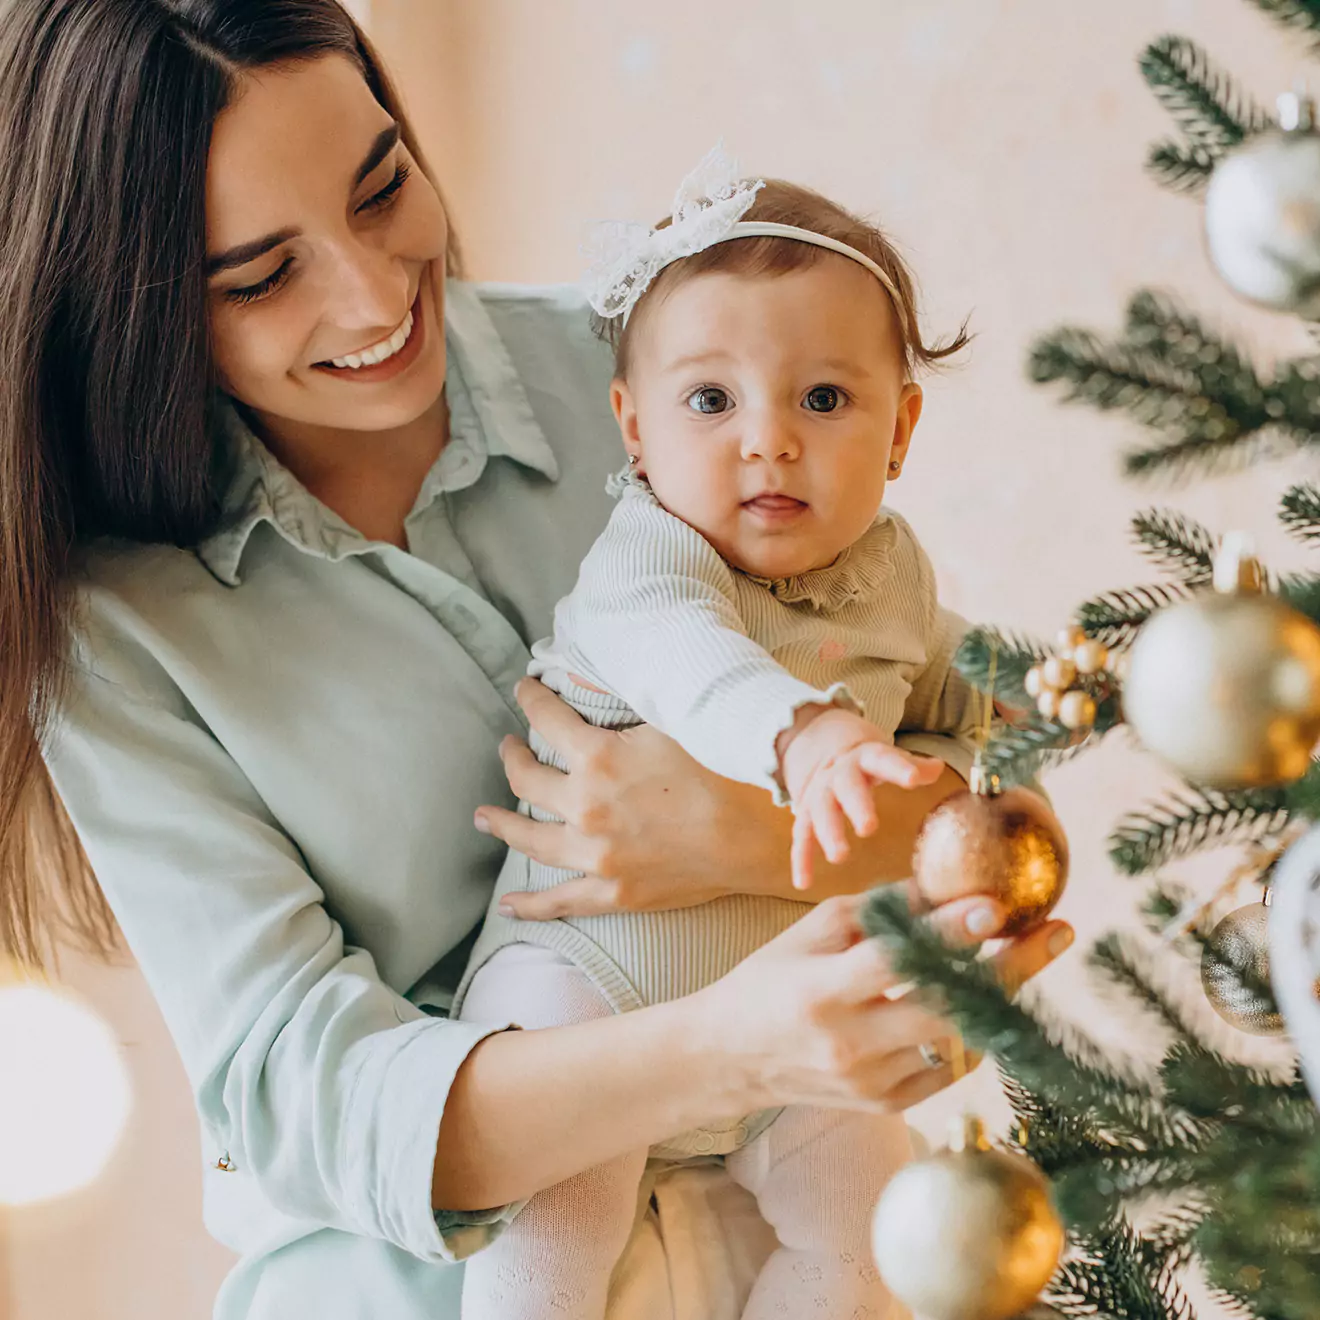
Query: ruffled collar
(859,571)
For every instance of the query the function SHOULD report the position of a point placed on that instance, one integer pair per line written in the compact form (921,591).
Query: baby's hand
(831,765)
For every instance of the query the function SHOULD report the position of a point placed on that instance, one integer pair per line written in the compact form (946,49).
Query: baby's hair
(780,202)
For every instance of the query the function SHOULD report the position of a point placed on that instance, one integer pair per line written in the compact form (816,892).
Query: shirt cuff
(405,1109)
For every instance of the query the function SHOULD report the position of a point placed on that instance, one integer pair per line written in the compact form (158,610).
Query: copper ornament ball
(1007,844)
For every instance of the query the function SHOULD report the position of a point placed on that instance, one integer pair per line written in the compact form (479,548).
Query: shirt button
(704,1144)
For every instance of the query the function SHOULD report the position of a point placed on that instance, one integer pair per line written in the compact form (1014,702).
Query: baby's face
(764,411)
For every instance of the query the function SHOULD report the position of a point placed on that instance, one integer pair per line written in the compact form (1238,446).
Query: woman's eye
(267,286)
(824,398)
(388,192)
(709,399)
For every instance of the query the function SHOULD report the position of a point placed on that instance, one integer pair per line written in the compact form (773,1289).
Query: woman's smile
(386,358)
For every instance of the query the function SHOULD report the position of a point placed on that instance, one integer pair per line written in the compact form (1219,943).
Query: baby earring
(632,460)
(895,465)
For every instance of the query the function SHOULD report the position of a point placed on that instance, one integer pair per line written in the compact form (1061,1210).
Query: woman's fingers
(969,920)
(1032,952)
(555,720)
(585,896)
(544,841)
(541,785)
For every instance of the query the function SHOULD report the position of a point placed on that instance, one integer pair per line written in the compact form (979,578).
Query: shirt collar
(490,417)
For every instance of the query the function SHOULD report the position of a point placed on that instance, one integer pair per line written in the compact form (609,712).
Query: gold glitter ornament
(1076,710)
(968,1234)
(1240,943)
(1059,672)
(1226,687)
(1034,682)
(1090,657)
(1007,844)
(1048,703)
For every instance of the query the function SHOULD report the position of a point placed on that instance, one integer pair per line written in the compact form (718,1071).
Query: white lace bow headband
(626,257)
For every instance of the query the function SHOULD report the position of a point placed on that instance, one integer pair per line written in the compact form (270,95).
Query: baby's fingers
(891,765)
(828,823)
(800,855)
(852,788)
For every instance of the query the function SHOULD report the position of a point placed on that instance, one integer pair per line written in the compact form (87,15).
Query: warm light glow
(64,1094)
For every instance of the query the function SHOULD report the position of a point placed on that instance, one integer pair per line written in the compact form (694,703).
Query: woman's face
(325,254)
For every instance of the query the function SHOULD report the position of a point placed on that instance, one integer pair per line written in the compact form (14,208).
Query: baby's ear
(625,413)
(910,401)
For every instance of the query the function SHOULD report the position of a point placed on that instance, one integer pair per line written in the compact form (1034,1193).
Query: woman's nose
(369,289)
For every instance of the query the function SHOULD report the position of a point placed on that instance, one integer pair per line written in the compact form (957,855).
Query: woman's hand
(805,1019)
(653,829)
(650,826)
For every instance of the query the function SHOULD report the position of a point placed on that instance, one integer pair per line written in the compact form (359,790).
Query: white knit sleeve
(653,620)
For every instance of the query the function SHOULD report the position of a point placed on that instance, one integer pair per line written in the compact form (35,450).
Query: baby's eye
(709,399)
(824,398)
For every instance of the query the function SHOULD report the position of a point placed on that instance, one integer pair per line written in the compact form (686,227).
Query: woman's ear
(909,414)
(625,413)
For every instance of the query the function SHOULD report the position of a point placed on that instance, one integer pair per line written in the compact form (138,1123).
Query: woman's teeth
(380,352)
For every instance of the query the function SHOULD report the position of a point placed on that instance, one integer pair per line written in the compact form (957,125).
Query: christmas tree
(1200,1160)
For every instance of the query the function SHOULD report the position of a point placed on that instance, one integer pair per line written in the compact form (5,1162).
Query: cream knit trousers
(815,1173)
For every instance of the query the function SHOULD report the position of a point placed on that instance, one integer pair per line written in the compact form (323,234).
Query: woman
(301,506)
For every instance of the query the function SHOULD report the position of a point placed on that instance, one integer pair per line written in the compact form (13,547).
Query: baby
(751,599)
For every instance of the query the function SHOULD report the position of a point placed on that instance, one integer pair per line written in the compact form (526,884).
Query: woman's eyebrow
(385,142)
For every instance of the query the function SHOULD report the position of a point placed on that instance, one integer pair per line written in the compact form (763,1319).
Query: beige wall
(1001,142)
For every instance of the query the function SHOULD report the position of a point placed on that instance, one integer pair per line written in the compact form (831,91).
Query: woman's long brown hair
(106,112)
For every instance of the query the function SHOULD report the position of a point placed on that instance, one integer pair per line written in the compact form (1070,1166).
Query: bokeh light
(64,1094)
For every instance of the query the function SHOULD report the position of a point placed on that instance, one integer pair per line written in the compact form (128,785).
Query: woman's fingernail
(482,824)
(506,909)
(1060,940)
(983,920)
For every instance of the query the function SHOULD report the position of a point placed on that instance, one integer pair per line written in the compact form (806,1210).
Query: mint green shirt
(272,749)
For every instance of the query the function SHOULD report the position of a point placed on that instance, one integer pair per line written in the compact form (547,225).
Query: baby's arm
(653,619)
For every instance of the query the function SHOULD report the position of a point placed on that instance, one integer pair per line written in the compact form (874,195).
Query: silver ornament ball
(1241,941)
(1226,688)
(1262,215)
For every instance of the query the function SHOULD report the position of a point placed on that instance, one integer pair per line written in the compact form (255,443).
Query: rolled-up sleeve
(318,1080)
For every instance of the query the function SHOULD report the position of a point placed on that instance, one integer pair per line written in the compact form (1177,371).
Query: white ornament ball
(1262,221)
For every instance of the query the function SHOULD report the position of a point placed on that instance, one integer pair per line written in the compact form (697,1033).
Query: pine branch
(1212,113)
(1160,325)
(1110,1274)
(1120,960)
(1191,820)
(1300,15)
(1299,511)
(1013,655)
(1177,544)
(1059,1062)
(1115,617)
(1180,169)
(1302,592)
(1303,797)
